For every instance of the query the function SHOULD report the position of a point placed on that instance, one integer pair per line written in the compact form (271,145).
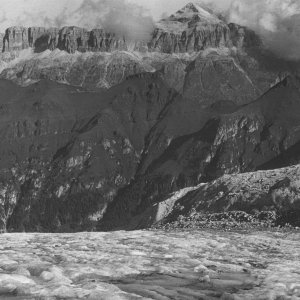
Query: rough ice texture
(150,265)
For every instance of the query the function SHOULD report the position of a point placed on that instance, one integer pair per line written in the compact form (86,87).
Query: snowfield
(150,265)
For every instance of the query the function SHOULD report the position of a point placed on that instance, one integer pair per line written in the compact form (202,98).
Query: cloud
(277,21)
(128,20)
(119,16)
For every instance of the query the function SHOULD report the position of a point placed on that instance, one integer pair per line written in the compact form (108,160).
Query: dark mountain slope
(206,100)
(80,158)
(62,165)
(67,153)
(237,140)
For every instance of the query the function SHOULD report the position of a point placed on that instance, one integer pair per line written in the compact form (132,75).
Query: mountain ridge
(97,137)
(197,28)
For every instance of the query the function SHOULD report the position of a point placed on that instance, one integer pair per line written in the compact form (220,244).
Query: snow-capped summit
(191,10)
(191,29)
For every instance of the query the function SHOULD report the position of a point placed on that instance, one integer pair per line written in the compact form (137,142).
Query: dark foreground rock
(259,200)
(233,221)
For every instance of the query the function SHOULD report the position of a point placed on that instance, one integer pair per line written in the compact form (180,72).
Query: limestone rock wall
(1,40)
(99,40)
(42,38)
(189,30)
(73,39)
(69,38)
(191,39)
(15,38)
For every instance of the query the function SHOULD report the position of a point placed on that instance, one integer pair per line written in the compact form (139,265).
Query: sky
(69,12)
(38,12)
(277,21)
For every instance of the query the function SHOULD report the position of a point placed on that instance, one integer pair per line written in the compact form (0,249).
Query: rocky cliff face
(216,73)
(190,29)
(41,38)
(15,38)
(177,40)
(69,39)
(91,71)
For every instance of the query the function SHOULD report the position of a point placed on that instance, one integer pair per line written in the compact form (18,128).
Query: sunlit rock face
(99,40)
(1,41)
(91,70)
(16,38)
(69,39)
(191,29)
(150,265)
(41,38)
(73,39)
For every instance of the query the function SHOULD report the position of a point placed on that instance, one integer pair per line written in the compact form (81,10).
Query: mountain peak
(192,9)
